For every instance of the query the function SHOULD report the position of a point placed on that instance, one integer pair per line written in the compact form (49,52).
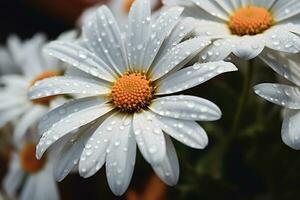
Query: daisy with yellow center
(34,66)
(247,28)
(126,82)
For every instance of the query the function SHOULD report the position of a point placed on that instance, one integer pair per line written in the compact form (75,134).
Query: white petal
(28,191)
(81,59)
(282,40)
(285,9)
(178,56)
(213,8)
(138,33)
(96,148)
(168,169)
(263,3)
(27,120)
(193,76)
(215,30)
(121,158)
(282,95)
(180,31)
(161,28)
(70,154)
(186,107)
(218,50)
(104,38)
(12,113)
(248,47)
(67,118)
(67,85)
(188,132)
(14,177)
(46,187)
(286,65)
(290,132)
(149,137)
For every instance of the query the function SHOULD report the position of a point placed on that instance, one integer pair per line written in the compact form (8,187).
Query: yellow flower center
(132,92)
(41,76)
(127,5)
(250,20)
(28,161)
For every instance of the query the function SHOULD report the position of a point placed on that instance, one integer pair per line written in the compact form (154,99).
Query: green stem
(243,98)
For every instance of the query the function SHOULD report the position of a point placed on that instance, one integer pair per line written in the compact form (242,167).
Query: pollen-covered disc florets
(132,92)
(28,161)
(250,20)
(41,76)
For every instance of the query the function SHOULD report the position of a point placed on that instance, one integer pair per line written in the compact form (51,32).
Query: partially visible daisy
(33,66)
(127,82)
(245,28)
(29,178)
(119,8)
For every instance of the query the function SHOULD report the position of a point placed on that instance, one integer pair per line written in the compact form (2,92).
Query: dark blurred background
(254,165)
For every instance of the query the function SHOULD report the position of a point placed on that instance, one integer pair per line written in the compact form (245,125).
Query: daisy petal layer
(186,107)
(193,76)
(290,132)
(282,95)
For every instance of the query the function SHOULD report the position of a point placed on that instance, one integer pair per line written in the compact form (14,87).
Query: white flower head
(27,57)
(126,81)
(32,177)
(245,28)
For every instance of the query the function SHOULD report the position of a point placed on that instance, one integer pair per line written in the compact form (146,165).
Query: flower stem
(243,98)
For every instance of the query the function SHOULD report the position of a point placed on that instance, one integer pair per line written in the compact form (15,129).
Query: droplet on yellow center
(132,92)
(250,20)
(127,5)
(28,161)
(41,76)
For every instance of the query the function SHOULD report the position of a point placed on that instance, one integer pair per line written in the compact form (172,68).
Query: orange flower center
(41,76)
(127,5)
(132,92)
(28,161)
(250,20)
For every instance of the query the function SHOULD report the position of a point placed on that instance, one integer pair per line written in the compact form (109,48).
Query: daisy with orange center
(34,66)
(247,29)
(127,82)
(28,177)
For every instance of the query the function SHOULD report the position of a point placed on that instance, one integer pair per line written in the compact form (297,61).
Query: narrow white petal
(282,40)
(121,158)
(69,117)
(168,169)
(26,121)
(46,187)
(217,51)
(149,137)
(282,95)
(67,85)
(213,8)
(262,3)
(178,56)
(104,38)
(186,107)
(138,33)
(28,191)
(193,76)
(14,177)
(285,9)
(286,65)
(188,132)
(248,47)
(81,59)
(12,113)
(161,28)
(97,147)
(290,132)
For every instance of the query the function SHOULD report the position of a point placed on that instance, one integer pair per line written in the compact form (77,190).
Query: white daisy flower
(120,9)
(126,81)
(245,28)
(34,66)
(33,178)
